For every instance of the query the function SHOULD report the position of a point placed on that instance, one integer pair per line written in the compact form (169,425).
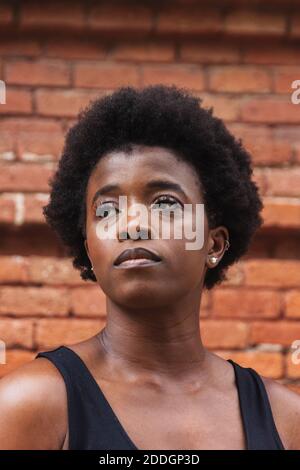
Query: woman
(146,381)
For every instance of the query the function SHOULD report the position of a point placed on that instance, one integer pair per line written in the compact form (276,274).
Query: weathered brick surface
(239,60)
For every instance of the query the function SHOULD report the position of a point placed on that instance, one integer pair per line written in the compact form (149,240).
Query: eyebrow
(153,184)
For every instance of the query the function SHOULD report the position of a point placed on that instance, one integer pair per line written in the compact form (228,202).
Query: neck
(161,341)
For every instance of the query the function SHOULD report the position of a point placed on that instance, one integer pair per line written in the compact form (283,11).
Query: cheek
(190,271)
(184,260)
(101,250)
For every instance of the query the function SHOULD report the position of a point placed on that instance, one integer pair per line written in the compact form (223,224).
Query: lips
(137,254)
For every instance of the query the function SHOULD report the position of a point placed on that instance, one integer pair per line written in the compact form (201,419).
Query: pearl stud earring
(213,259)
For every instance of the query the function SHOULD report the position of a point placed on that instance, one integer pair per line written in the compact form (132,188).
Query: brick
(297,153)
(6,15)
(88,301)
(205,300)
(24,47)
(17,102)
(288,133)
(208,52)
(13,269)
(270,110)
(39,146)
(224,334)
(279,332)
(50,73)
(33,208)
(265,148)
(272,273)
(7,146)
(16,332)
(1,73)
(295,26)
(277,54)
(234,276)
(66,103)
(292,363)
(268,364)
(292,303)
(7,209)
(246,303)
(17,201)
(191,76)
(105,75)
(75,48)
(29,139)
(25,177)
(253,22)
(283,181)
(120,19)
(204,313)
(281,212)
(29,124)
(260,179)
(53,271)
(239,79)
(204,310)
(29,301)
(286,247)
(54,15)
(150,51)
(283,78)
(15,358)
(51,333)
(182,20)
(223,107)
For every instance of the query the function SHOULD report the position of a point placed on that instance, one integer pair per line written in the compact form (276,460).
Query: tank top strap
(259,425)
(91,421)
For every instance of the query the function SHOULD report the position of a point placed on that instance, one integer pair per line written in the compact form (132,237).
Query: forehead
(133,169)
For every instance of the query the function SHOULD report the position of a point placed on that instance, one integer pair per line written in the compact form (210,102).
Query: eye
(105,210)
(168,202)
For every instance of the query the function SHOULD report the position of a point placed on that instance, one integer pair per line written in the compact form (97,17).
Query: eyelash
(164,198)
(169,198)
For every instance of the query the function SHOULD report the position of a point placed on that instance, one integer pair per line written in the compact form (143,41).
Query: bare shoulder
(285,405)
(33,407)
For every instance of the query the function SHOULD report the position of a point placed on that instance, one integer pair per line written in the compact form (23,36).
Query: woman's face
(180,270)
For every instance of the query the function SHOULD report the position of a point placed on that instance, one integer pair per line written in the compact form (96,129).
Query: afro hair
(165,116)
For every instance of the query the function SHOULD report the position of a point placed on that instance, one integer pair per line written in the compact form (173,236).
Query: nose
(137,235)
(134,228)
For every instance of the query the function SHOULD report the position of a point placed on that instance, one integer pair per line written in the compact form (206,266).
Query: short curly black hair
(165,116)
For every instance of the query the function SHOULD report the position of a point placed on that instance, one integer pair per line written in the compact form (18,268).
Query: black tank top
(94,425)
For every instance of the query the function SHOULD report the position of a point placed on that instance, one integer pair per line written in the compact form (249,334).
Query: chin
(139,297)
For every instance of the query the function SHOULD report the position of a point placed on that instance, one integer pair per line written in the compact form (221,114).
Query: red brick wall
(53,60)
